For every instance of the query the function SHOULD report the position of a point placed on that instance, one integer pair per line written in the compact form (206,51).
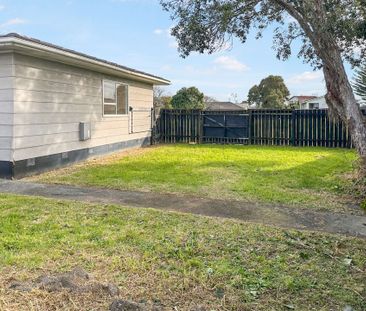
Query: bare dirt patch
(76,281)
(73,290)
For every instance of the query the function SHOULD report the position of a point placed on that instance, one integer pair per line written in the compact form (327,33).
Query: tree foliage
(254,96)
(359,83)
(188,98)
(271,92)
(207,26)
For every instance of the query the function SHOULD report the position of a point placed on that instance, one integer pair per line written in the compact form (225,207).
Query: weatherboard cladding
(50,99)
(6,106)
(42,102)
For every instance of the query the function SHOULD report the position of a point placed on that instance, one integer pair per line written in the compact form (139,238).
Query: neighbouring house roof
(222,106)
(42,49)
(301,98)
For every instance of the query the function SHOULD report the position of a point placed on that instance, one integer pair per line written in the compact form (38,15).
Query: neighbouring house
(314,103)
(244,105)
(299,99)
(222,106)
(58,106)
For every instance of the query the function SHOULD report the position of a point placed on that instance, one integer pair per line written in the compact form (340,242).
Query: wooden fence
(265,127)
(178,126)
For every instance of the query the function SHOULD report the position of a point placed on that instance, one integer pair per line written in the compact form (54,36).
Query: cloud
(307,83)
(2,7)
(230,63)
(12,22)
(158,31)
(305,77)
(166,68)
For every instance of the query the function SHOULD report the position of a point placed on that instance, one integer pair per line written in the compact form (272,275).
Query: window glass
(109,109)
(109,89)
(115,101)
(122,98)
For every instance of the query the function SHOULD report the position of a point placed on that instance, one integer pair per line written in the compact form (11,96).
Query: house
(244,105)
(222,106)
(58,106)
(299,99)
(315,103)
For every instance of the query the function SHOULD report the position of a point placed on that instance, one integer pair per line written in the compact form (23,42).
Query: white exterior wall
(50,99)
(319,100)
(6,106)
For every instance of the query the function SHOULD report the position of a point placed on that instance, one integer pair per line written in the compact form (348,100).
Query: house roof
(314,99)
(302,98)
(38,48)
(222,106)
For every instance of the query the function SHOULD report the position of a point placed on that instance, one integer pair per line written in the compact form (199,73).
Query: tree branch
(297,16)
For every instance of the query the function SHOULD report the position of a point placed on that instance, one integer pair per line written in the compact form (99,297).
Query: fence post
(250,127)
(293,133)
(200,135)
(131,120)
(152,125)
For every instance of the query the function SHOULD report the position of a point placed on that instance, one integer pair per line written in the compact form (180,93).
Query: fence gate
(225,127)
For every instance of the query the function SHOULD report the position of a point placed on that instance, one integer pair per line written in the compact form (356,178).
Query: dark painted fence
(254,126)
(229,127)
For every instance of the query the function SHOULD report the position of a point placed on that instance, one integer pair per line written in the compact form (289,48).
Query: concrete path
(253,212)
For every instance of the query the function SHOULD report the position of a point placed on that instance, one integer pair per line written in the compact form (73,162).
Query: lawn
(175,259)
(306,177)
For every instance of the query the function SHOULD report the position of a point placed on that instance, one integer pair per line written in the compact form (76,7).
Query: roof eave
(51,53)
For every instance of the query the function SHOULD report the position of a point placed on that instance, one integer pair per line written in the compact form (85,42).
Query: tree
(294,105)
(254,96)
(158,93)
(188,98)
(166,102)
(209,99)
(272,92)
(160,99)
(330,32)
(359,83)
(233,98)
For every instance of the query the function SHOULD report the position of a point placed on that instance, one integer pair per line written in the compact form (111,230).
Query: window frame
(116,85)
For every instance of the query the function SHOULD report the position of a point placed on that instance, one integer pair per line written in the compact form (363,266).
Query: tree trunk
(342,102)
(340,96)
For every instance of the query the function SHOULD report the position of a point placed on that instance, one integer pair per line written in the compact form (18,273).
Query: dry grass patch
(173,259)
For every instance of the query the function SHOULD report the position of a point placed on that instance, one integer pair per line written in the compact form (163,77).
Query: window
(313,105)
(115,101)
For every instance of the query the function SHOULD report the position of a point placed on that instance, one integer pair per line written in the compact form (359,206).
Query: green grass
(311,177)
(179,260)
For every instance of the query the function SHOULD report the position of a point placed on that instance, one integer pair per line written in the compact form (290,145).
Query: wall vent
(84,131)
(31,162)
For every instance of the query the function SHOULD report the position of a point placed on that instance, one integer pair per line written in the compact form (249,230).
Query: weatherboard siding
(6,106)
(51,98)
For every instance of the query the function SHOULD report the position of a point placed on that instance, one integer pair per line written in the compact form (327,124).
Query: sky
(136,33)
